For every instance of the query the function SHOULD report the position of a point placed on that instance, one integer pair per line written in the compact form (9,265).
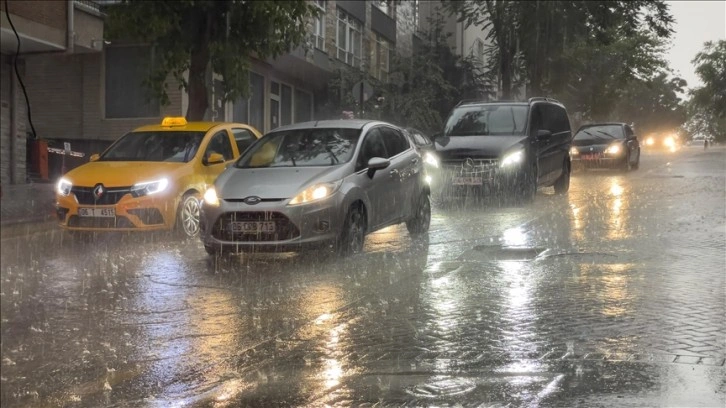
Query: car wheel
(188,217)
(419,223)
(627,166)
(562,185)
(353,235)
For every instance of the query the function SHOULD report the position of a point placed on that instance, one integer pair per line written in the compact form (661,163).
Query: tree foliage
(192,35)
(707,107)
(421,88)
(566,46)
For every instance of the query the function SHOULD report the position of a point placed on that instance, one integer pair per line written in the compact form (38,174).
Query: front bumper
(485,178)
(296,227)
(128,213)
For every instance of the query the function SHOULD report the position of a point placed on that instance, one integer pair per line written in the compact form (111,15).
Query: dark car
(606,145)
(502,147)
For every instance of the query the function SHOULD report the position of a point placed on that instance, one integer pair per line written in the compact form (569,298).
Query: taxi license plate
(97,212)
(254,227)
(467,181)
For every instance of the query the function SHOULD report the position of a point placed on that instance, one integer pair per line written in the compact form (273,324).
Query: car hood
(461,147)
(594,141)
(120,173)
(271,182)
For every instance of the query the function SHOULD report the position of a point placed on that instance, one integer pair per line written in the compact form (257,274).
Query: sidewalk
(24,204)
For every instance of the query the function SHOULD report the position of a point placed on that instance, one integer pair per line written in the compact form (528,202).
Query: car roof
(331,123)
(189,127)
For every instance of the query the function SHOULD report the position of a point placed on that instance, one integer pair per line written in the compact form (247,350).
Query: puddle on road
(441,387)
(488,253)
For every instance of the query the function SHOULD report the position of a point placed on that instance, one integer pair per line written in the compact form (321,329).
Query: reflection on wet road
(610,296)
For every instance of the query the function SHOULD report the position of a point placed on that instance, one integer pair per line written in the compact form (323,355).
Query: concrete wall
(13,117)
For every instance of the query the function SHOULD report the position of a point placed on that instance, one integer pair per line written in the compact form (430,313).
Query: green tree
(707,107)
(420,89)
(193,36)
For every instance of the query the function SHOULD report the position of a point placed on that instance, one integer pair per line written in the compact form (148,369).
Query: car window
(302,147)
(219,143)
(373,146)
(556,119)
(395,141)
(537,121)
(243,138)
(169,146)
(605,132)
(486,120)
(629,132)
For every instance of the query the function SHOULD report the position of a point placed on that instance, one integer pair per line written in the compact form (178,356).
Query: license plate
(467,181)
(254,227)
(97,212)
(590,156)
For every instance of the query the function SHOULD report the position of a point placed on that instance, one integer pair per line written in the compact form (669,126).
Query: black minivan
(501,147)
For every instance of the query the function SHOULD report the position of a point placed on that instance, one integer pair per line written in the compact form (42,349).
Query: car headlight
(613,149)
(513,158)
(650,141)
(431,159)
(149,187)
(210,197)
(64,187)
(574,151)
(316,192)
(669,142)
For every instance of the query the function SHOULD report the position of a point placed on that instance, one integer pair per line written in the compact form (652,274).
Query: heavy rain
(459,232)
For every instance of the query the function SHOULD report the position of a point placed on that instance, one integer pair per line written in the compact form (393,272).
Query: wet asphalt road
(613,296)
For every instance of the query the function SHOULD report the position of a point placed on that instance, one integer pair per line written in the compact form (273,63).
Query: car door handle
(394,173)
(414,160)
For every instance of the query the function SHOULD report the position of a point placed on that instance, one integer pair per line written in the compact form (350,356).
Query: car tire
(421,220)
(562,185)
(627,166)
(352,238)
(188,215)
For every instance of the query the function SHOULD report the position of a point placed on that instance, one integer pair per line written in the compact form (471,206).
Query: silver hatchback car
(316,184)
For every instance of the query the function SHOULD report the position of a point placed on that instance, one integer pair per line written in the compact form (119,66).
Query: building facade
(88,92)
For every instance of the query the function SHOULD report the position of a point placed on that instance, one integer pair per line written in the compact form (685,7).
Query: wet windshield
(600,132)
(302,147)
(487,120)
(160,146)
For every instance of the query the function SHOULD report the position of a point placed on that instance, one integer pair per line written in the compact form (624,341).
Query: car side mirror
(436,135)
(543,134)
(214,158)
(377,163)
(94,157)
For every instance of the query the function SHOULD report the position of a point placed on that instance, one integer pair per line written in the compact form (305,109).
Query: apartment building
(93,94)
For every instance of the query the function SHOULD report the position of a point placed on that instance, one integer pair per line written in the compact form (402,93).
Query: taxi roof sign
(174,121)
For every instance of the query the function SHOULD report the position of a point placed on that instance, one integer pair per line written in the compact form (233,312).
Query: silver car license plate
(253,227)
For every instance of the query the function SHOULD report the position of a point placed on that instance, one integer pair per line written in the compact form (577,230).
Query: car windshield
(155,146)
(601,132)
(487,120)
(302,147)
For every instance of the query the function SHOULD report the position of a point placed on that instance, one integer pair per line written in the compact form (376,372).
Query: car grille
(484,168)
(84,195)
(148,216)
(284,228)
(100,222)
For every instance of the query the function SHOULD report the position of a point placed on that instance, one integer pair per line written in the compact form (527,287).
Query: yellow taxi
(152,178)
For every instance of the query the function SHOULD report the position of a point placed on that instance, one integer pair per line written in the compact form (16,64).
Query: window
(220,144)
(386,6)
(286,105)
(319,34)
(349,40)
(303,106)
(556,119)
(395,141)
(243,138)
(416,15)
(629,132)
(373,146)
(251,110)
(125,94)
(280,105)
(380,58)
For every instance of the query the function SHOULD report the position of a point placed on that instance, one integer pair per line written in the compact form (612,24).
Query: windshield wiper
(332,155)
(607,134)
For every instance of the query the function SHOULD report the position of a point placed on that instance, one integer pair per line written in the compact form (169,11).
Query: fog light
(323,226)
